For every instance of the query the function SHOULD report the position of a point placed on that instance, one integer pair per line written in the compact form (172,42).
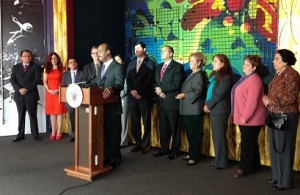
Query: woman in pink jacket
(249,113)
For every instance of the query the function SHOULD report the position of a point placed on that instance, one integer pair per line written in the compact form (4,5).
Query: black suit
(89,71)
(28,102)
(67,80)
(143,82)
(169,106)
(114,78)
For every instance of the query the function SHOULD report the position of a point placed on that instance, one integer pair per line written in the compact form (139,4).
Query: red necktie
(25,67)
(162,72)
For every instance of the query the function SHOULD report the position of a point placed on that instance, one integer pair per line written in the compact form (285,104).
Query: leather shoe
(239,173)
(212,166)
(136,149)
(187,157)
(172,156)
(72,139)
(278,188)
(114,164)
(18,139)
(271,181)
(37,139)
(145,150)
(159,154)
(191,162)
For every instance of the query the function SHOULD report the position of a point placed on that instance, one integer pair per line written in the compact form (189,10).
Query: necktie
(138,65)
(102,71)
(162,72)
(25,67)
(73,77)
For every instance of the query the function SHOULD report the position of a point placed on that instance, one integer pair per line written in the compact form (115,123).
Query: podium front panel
(83,138)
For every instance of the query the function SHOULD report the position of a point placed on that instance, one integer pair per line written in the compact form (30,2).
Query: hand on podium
(107,92)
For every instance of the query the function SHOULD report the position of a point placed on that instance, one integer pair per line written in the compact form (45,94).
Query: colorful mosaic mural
(235,28)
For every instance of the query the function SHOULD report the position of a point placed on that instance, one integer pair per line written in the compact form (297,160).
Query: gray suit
(191,109)
(114,78)
(219,106)
(67,80)
(89,72)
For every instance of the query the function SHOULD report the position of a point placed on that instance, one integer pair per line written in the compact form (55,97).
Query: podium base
(86,174)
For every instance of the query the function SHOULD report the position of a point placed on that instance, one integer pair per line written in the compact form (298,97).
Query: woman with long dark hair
(217,104)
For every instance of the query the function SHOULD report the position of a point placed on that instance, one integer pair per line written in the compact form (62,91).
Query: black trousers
(169,126)
(249,159)
(141,109)
(72,119)
(112,137)
(31,108)
(194,128)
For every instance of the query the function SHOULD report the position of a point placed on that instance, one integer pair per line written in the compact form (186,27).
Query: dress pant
(124,118)
(112,137)
(282,151)
(219,126)
(249,159)
(194,128)
(72,119)
(169,126)
(138,109)
(31,108)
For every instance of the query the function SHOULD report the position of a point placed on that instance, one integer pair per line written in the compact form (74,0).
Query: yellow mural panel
(288,27)
(60,29)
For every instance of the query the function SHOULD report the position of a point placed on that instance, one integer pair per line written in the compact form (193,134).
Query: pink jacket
(248,103)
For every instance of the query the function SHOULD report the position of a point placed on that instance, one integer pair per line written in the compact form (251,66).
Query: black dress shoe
(191,162)
(145,150)
(187,157)
(278,188)
(159,154)
(18,139)
(271,181)
(114,164)
(214,167)
(239,173)
(172,156)
(136,149)
(72,139)
(37,139)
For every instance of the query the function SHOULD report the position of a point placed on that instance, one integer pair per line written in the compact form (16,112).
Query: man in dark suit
(169,76)
(91,70)
(72,76)
(111,79)
(140,83)
(24,78)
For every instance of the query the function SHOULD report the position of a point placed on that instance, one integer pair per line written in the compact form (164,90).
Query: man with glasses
(24,78)
(91,70)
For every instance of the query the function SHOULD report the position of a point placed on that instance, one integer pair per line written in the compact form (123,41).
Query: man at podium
(110,77)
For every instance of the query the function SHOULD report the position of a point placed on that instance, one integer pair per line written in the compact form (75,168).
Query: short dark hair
(170,48)
(287,56)
(26,50)
(143,45)
(254,60)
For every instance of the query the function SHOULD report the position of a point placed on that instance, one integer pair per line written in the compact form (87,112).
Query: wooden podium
(89,152)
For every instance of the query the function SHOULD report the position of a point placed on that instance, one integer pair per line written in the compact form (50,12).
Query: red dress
(53,106)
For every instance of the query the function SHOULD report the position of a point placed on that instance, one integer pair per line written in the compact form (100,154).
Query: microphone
(90,80)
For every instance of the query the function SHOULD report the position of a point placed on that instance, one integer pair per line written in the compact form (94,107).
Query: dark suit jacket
(143,80)
(114,78)
(29,80)
(67,79)
(89,72)
(170,85)
(220,102)
(193,87)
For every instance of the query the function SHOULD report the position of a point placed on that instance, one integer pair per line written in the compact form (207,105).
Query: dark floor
(30,167)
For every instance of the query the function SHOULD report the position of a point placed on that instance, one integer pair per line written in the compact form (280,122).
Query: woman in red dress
(52,76)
